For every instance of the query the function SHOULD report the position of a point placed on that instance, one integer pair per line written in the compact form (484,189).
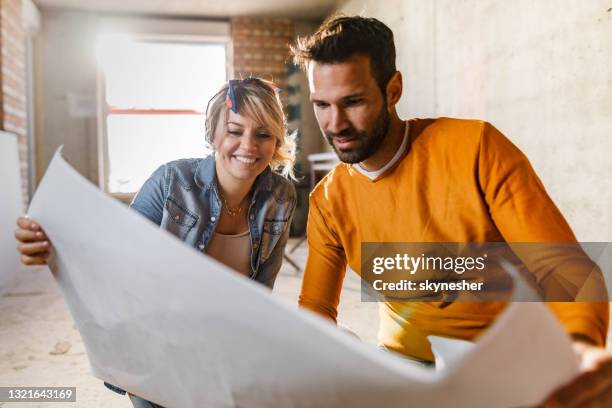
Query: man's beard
(368,141)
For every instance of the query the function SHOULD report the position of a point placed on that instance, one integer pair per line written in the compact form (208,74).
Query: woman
(235,205)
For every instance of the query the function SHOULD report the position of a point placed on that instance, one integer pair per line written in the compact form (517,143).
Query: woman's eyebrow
(258,128)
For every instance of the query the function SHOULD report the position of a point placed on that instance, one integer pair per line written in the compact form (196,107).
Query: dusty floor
(39,345)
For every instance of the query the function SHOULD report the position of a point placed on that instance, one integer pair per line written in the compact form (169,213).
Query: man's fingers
(604,400)
(34,248)
(588,387)
(25,235)
(34,260)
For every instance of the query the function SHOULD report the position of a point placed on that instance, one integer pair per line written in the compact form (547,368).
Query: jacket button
(252,217)
(213,218)
(201,246)
(177,217)
(255,245)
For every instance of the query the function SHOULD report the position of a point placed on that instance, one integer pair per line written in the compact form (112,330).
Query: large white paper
(448,351)
(11,206)
(165,322)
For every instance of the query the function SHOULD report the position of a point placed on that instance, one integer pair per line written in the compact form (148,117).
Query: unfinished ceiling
(300,9)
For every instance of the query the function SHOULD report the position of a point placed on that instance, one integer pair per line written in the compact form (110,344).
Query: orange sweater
(460,181)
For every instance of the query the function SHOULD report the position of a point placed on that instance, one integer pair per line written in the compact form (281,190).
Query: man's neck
(391,144)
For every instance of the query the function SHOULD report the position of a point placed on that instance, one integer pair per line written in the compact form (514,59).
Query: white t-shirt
(372,175)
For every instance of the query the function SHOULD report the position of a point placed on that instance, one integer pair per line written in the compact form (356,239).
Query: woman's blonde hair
(256,99)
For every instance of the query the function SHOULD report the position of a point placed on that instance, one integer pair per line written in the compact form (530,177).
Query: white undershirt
(373,175)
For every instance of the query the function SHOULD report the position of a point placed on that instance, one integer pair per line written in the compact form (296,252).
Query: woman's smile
(245,160)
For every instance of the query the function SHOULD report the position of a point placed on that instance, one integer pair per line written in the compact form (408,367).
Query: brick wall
(13,79)
(261,47)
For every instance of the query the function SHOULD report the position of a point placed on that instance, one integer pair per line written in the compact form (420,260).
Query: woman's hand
(34,245)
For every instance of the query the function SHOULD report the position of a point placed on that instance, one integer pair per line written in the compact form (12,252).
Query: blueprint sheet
(171,325)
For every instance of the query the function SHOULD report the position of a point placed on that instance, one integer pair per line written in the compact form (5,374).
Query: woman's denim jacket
(182,198)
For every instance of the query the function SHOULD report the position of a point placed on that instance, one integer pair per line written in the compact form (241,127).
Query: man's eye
(321,105)
(351,102)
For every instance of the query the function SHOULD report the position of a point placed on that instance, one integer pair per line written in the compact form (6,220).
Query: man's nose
(337,120)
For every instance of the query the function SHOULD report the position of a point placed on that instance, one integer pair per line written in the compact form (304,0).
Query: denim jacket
(182,198)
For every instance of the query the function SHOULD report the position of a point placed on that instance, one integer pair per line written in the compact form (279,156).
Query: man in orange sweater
(433,180)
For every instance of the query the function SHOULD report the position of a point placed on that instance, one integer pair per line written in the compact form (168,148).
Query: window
(155,93)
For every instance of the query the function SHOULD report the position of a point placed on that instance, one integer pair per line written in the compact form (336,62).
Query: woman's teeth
(246,160)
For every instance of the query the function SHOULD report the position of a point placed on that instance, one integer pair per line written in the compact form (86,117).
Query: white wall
(65,65)
(11,207)
(541,71)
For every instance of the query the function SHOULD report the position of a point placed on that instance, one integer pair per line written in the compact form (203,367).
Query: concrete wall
(64,68)
(541,71)
(311,138)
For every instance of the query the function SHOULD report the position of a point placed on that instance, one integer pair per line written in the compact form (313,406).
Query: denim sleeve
(150,199)
(270,268)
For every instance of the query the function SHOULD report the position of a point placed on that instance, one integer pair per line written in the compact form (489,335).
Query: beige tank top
(231,250)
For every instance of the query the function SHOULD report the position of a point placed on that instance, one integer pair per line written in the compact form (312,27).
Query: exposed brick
(12,7)
(13,27)
(261,47)
(11,47)
(14,101)
(16,110)
(11,117)
(10,31)
(16,65)
(12,80)
(14,68)
(11,127)
(12,91)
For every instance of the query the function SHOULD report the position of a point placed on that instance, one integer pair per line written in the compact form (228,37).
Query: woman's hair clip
(230,99)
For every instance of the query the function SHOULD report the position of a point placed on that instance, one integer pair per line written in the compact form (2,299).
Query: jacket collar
(206,175)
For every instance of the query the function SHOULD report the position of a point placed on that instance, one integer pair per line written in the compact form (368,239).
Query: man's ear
(394,89)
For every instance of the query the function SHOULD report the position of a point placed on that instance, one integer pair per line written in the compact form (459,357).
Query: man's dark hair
(341,37)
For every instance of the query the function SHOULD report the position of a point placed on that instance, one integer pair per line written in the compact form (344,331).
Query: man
(434,180)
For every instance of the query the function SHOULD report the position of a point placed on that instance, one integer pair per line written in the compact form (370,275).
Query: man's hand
(593,386)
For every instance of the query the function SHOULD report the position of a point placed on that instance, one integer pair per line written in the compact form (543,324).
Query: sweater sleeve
(523,212)
(325,267)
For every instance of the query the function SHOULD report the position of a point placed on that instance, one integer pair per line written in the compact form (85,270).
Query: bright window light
(156,92)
